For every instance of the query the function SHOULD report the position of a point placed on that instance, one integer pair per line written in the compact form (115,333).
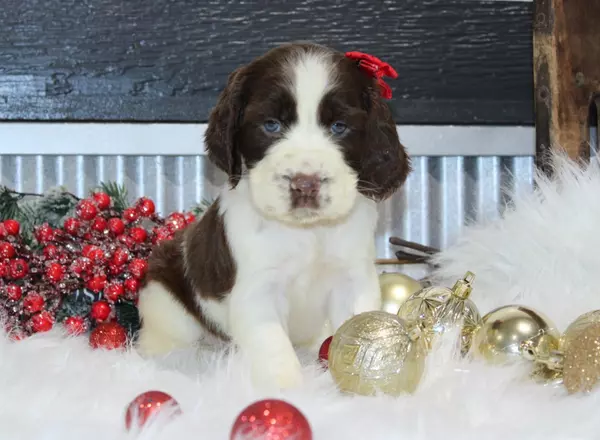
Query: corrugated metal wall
(441,195)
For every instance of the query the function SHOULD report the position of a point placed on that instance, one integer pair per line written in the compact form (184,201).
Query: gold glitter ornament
(438,309)
(504,332)
(376,352)
(395,289)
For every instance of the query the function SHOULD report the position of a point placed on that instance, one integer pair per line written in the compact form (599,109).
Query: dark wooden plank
(460,61)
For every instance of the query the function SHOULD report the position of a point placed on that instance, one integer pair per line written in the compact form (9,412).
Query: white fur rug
(544,254)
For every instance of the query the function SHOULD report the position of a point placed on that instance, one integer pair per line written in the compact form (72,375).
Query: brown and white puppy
(309,147)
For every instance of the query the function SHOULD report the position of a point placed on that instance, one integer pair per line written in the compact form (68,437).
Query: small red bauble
(100,311)
(81,265)
(138,268)
(99,224)
(4,270)
(130,215)
(175,221)
(146,206)
(120,256)
(324,352)
(160,234)
(42,322)
(148,405)
(44,233)
(75,325)
(189,218)
(97,255)
(116,226)
(102,200)
(33,302)
(271,419)
(138,234)
(72,225)
(86,210)
(7,250)
(55,272)
(113,269)
(87,249)
(127,241)
(50,251)
(108,335)
(132,285)
(18,268)
(12,227)
(97,283)
(113,291)
(13,291)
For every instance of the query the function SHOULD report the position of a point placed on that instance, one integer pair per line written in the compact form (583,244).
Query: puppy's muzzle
(304,190)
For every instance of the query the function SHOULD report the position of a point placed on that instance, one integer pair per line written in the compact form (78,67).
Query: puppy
(309,147)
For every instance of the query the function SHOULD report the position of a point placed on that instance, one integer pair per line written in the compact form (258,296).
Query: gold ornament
(395,289)
(377,352)
(438,309)
(577,360)
(506,330)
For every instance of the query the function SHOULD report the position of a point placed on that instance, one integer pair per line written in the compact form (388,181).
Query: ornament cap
(462,288)
(552,359)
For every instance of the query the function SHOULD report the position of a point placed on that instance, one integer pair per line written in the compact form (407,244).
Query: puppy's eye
(272,126)
(338,128)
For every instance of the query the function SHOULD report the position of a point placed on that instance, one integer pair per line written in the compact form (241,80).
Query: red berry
(18,268)
(190,217)
(120,257)
(100,311)
(127,241)
(55,272)
(33,302)
(102,200)
(99,224)
(138,234)
(160,233)
(50,251)
(87,249)
(12,227)
(146,206)
(14,291)
(113,291)
(4,270)
(130,215)
(42,322)
(138,268)
(44,233)
(75,325)
(175,221)
(7,250)
(97,283)
(81,265)
(72,225)
(113,269)
(3,232)
(132,285)
(86,209)
(116,226)
(97,255)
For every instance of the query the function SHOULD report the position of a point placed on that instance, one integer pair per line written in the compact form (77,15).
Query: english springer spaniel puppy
(309,147)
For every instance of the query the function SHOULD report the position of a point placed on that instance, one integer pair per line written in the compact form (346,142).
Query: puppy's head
(310,130)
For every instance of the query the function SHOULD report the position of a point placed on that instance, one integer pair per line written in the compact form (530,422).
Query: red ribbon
(377,69)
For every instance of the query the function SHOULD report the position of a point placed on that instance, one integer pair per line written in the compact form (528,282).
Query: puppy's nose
(304,189)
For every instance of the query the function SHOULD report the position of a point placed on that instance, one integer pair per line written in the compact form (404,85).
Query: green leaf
(9,204)
(201,208)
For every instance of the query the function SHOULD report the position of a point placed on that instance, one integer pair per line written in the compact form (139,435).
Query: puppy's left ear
(385,165)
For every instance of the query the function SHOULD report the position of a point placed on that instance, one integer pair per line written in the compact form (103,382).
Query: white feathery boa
(544,253)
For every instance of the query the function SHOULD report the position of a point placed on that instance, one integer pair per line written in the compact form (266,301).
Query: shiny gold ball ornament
(395,289)
(506,330)
(438,309)
(377,352)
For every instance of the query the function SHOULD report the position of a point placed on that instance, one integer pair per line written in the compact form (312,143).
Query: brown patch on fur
(210,267)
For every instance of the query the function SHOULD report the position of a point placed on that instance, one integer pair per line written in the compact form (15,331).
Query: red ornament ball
(100,311)
(271,419)
(12,227)
(116,226)
(7,250)
(75,325)
(102,200)
(109,336)
(13,291)
(55,272)
(146,206)
(148,405)
(33,302)
(42,322)
(324,352)
(18,268)
(86,210)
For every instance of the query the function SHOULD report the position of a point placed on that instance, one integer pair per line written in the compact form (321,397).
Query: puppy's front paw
(282,371)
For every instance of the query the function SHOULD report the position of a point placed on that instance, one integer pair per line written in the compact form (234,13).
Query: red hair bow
(376,68)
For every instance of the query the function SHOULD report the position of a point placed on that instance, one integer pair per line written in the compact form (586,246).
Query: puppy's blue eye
(338,128)
(272,126)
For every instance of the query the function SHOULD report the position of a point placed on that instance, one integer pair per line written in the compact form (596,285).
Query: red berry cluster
(99,249)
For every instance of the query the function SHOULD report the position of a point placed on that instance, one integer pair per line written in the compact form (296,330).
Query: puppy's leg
(166,325)
(356,291)
(258,312)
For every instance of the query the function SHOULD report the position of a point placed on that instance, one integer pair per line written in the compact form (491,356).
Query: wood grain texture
(460,61)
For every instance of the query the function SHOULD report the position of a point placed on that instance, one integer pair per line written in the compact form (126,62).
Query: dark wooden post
(566,45)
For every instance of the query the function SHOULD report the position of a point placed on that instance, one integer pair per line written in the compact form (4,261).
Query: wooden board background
(460,61)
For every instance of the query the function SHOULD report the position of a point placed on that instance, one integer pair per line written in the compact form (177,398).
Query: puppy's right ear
(223,124)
